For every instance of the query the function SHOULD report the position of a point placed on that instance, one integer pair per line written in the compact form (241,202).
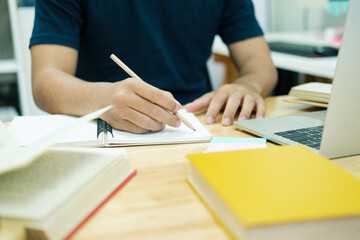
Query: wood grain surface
(159,204)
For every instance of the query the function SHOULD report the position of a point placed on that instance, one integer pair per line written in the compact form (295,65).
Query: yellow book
(285,192)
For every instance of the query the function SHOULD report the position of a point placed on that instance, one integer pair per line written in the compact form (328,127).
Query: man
(165,42)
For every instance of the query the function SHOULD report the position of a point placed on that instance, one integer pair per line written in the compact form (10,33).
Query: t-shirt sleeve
(57,22)
(238,21)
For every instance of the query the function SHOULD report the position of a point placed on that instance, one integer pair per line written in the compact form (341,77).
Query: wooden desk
(159,204)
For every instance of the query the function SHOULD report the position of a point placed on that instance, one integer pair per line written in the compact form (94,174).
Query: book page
(305,102)
(7,142)
(35,191)
(314,87)
(26,155)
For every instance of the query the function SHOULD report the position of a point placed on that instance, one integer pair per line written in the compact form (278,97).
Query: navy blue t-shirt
(165,42)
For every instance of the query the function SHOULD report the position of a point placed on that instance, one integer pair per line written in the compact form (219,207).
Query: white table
(321,67)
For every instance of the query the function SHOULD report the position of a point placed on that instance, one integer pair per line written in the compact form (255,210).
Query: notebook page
(85,135)
(181,134)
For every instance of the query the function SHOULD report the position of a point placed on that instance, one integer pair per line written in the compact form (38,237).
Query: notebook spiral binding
(103,126)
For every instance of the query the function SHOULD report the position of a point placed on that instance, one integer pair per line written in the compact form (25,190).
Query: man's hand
(229,97)
(139,107)
(257,77)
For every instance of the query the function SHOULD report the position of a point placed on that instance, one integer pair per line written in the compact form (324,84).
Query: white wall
(262,12)
(291,15)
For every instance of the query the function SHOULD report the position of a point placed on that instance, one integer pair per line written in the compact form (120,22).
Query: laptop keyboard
(310,137)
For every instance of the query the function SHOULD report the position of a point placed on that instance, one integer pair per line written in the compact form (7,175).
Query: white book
(28,129)
(53,191)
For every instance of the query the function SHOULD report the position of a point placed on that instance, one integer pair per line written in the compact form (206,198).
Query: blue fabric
(166,42)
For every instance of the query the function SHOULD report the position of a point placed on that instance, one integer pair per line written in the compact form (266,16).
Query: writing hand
(139,107)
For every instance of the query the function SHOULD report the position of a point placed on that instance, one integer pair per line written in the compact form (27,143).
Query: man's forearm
(58,92)
(253,61)
(261,76)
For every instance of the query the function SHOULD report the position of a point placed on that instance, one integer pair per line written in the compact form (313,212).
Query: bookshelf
(7,61)
(20,21)
(8,66)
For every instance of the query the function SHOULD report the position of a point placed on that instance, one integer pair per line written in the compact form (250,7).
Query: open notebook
(28,129)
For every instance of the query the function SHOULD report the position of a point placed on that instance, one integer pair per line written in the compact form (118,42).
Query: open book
(28,129)
(52,192)
(313,93)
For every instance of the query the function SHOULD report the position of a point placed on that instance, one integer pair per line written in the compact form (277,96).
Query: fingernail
(241,118)
(226,121)
(209,119)
(260,116)
(177,108)
(178,123)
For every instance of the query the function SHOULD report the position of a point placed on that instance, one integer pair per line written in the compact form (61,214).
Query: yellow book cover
(285,192)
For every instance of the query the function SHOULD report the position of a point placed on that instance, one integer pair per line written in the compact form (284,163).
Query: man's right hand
(139,107)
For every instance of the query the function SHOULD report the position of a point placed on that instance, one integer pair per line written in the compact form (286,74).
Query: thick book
(27,129)
(284,192)
(313,91)
(305,102)
(54,191)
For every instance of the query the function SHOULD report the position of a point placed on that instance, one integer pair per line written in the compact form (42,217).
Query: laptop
(337,129)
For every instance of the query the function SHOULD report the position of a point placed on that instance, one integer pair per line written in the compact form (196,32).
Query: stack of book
(313,93)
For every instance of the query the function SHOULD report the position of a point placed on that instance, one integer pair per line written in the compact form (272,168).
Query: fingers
(143,121)
(231,108)
(125,125)
(133,121)
(260,108)
(146,111)
(247,107)
(200,103)
(134,111)
(217,103)
(159,97)
(233,97)
(250,104)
